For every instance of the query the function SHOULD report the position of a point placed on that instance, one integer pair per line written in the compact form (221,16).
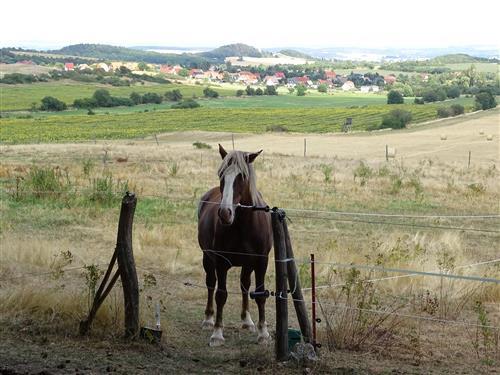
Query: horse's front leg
(217,337)
(260,274)
(209,266)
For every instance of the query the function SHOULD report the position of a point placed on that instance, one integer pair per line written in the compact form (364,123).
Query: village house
(348,86)
(248,78)
(330,74)
(83,67)
(389,80)
(212,75)
(169,69)
(271,80)
(196,74)
(68,67)
(104,67)
(327,82)
(369,88)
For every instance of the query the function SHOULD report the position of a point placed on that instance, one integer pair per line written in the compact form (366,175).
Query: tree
(142,66)
(301,90)
(49,103)
(239,93)
(183,72)
(395,97)
(152,97)
(485,100)
(102,98)
(259,92)
(270,90)
(323,88)
(250,91)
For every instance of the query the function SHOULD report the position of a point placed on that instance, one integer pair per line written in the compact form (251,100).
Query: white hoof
(247,323)
(208,323)
(217,339)
(263,334)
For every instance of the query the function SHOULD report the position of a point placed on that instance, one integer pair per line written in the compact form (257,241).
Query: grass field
(65,197)
(21,97)
(58,128)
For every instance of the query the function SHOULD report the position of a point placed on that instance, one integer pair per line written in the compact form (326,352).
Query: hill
(238,49)
(459,58)
(295,53)
(108,52)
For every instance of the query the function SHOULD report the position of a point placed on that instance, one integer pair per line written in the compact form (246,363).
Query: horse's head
(237,182)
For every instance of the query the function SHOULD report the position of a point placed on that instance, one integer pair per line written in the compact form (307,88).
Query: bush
(396,119)
(270,90)
(174,95)
(240,93)
(49,103)
(201,145)
(436,95)
(136,98)
(395,97)
(118,101)
(250,91)
(210,93)
(323,88)
(301,90)
(443,112)
(152,97)
(485,100)
(103,98)
(189,103)
(277,128)
(419,101)
(259,92)
(85,103)
(457,109)
(453,92)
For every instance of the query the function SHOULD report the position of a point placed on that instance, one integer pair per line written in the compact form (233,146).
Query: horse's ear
(222,152)
(252,156)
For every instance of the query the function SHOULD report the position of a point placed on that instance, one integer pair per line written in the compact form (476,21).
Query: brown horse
(232,235)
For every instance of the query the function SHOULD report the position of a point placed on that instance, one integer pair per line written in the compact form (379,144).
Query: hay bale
(444,137)
(391,152)
(489,137)
(481,132)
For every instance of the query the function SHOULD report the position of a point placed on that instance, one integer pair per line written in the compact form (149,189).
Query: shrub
(453,92)
(201,145)
(396,119)
(364,172)
(419,101)
(240,93)
(436,95)
(210,93)
(250,91)
(152,97)
(174,95)
(457,109)
(301,90)
(189,103)
(85,103)
(485,100)
(276,128)
(259,92)
(395,97)
(136,98)
(49,103)
(322,88)
(443,112)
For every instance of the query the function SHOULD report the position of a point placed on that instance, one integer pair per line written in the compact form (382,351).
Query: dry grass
(169,179)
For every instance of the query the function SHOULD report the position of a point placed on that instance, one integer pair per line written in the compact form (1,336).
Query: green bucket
(294,337)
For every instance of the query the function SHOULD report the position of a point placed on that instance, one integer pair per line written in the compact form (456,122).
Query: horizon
(389,25)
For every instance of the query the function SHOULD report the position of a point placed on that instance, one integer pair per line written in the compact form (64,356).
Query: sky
(263,24)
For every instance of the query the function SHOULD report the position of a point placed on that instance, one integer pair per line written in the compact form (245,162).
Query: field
(59,213)
(69,127)
(23,69)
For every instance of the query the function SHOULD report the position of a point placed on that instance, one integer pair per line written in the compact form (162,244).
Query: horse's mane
(239,160)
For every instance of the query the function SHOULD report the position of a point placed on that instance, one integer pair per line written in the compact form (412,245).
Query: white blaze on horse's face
(227,205)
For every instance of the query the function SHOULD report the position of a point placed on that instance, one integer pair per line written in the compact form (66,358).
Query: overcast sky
(269,23)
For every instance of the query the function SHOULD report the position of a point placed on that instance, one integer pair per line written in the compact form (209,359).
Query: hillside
(108,52)
(238,49)
(458,58)
(295,53)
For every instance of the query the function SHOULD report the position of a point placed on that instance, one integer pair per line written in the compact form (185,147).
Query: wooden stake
(313,298)
(305,147)
(296,290)
(281,286)
(386,153)
(232,139)
(156,138)
(468,164)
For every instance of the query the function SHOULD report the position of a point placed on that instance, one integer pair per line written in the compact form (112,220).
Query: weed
(476,188)
(327,172)
(174,169)
(61,260)
(201,145)
(92,274)
(364,172)
(88,166)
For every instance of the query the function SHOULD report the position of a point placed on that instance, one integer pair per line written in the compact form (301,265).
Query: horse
(231,234)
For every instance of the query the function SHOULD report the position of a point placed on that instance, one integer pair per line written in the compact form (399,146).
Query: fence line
(403,315)
(34,275)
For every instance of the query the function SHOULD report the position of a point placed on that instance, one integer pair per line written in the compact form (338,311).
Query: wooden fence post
(296,290)
(468,164)
(232,139)
(126,270)
(313,297)
(305,147)
(281,286)
(386,153)
(126,265)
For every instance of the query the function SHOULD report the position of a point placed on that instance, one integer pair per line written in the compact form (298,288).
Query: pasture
(59,213)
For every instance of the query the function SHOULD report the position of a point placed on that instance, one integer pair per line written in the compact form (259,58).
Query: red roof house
(69,66)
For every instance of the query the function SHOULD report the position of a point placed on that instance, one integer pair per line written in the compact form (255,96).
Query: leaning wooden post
(296,290)
(126,265)
(281,285)
(305,147)
(386,153)
(468,164)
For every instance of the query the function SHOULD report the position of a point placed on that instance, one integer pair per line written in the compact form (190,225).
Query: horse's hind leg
(209,266)
(245,281)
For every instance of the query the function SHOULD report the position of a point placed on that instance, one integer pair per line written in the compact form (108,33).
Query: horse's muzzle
(226,216)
